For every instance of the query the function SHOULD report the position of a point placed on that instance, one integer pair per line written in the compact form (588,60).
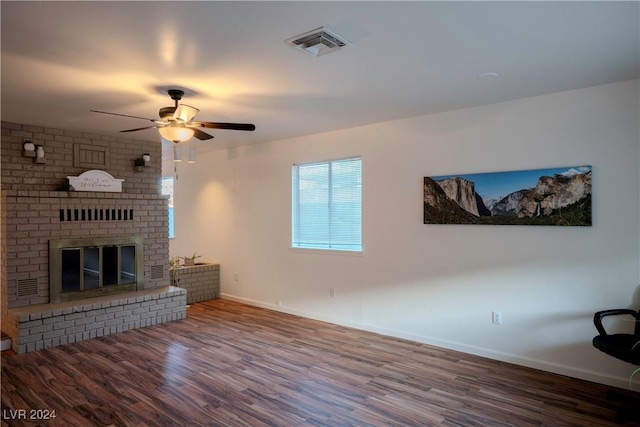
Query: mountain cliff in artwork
(549,194)
(440,209)
(558,199)
(508,205)
(464,194)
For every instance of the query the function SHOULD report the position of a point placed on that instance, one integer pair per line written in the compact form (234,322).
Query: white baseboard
(556,368)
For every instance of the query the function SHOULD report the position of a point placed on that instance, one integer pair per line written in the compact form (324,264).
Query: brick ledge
(39,311)
(49,325)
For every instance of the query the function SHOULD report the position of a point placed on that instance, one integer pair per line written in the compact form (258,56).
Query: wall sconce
(138,164)
(28,149)
(141,162)
(36,152)
(192,155)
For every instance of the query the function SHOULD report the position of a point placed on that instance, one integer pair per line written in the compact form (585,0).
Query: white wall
(439,283)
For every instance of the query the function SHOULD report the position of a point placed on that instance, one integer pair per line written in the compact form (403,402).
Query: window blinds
(327,205)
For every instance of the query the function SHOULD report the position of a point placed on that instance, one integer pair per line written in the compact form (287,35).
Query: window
(167,190)
(327,205)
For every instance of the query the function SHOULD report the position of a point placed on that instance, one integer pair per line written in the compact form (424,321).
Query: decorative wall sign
(558,196)
(96,180)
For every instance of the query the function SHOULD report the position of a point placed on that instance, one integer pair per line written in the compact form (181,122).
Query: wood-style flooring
(230,364)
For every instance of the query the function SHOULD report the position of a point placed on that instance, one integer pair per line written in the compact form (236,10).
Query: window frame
(295,191)
(171,217)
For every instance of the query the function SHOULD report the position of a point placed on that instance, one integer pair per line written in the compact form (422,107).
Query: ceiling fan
(176,123)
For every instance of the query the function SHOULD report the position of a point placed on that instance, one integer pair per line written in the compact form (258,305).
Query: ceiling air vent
(318,42)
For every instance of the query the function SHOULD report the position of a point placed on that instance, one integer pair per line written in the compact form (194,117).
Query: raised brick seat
(202,281)
(41,326)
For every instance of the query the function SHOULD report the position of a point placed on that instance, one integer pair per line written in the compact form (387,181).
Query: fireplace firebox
(94,266)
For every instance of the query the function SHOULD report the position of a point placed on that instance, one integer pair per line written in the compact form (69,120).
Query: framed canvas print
(555,196)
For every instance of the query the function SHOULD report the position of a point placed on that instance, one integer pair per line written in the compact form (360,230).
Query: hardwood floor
(229,364)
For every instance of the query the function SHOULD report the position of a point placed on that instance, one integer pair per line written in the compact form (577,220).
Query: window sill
(339,252)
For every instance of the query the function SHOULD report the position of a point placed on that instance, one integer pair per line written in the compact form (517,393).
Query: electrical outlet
(332,292)
(496,317)
(235,277)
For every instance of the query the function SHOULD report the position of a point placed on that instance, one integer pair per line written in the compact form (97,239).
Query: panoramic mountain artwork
(557,196)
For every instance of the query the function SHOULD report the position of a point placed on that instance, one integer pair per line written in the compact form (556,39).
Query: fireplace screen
(84,268)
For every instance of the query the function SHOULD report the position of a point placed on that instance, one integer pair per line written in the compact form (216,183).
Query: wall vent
(96,214)
(27,288)
(157,272)
(318,42)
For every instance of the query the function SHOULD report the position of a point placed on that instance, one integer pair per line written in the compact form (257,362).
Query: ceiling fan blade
(232,126)
(124,115)
(185,113)
(136,129)
(197,133)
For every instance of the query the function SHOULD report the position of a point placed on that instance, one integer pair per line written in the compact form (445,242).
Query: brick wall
(33,196)
(202,281)
(67,153)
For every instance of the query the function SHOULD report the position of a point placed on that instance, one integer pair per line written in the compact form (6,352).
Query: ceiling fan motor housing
(176,94)
(166,113)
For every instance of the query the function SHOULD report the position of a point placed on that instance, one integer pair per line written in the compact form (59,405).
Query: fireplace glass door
(94,269)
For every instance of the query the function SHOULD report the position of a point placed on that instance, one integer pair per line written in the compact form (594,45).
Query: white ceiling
(61,59)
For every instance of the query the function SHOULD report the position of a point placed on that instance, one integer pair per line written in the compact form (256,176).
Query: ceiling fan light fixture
(177,153)
(176,123)
(176,134)
(192,155)
(185,113)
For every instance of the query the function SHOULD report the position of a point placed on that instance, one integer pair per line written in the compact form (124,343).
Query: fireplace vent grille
(27,287)
(96,214)
(157,272)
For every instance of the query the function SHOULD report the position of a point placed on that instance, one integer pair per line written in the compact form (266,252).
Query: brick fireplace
(38,208)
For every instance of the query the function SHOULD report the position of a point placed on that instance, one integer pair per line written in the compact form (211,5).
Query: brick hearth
(49,325)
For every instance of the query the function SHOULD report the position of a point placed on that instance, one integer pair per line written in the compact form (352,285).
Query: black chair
(624,347)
